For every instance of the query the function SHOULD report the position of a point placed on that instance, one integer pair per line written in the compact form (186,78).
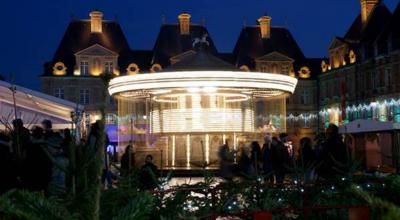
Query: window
(84,68)
(59,93)
(388,78)
(305,97)
(84,96)
(375,79)
(274,68)
(285,69)
(108,67)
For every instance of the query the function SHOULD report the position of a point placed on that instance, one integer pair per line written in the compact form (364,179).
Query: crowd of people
(276,160)
(40,159)
(34,159)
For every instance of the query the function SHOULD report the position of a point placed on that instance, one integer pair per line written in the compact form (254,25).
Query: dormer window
(108,67)
(84,67)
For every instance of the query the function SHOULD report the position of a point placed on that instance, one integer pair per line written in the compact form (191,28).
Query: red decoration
(359,213)
(262,216)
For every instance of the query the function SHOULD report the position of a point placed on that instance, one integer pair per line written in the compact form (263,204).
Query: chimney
(96,18)
(184,23)
(265,26)
(367,6)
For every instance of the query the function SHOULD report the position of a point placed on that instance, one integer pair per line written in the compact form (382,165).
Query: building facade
(359,79)
(93,47)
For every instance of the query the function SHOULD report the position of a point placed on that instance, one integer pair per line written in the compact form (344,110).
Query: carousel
(183,114)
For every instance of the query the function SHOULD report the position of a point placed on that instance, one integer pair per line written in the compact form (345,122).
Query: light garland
(379,110)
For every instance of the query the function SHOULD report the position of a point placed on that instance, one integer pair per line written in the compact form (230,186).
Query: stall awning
(365,125)
(33,106)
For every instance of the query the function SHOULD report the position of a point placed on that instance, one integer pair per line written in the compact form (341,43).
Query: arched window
(274,68)
(156,68)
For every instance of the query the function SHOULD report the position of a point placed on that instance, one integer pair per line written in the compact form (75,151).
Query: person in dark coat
(8,173)
(149,174)
(280,158)
(66,142)
(245,162)
(256,155)
(266,155)
(334,152)
(127,161)
(306,153)
(226,159)
(37,166)
(21,139)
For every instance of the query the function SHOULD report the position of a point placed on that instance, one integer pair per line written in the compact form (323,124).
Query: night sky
(31,30)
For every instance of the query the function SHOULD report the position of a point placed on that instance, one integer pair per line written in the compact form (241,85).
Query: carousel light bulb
(193,89)
(209,89)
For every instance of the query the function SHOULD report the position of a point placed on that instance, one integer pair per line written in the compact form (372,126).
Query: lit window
(59,93)
(108,67)
(84,68)
(84,96)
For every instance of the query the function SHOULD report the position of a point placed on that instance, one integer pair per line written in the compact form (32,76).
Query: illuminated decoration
(132,69)
(386,110)
(77,72)
(59,69)
(304,72)
(190,114)
(265,26)
(352,57)
(155,68)
(244,68)
(324,66)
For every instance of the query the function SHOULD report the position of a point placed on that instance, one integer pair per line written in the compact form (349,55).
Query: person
(127,160)
(37,166)
(245,162)
(7,167)
(266,157)
(20,139)
(306,153)
(49,134)
(66,142)
(148,174)
(256,156)
(57,185)
(334,154)
(280,157)
(319,142)
(107,159)
(225,161)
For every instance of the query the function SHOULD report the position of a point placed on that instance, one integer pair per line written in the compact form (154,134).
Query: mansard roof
(391,30)
(78,37)
(170,42)
(251,45)
(377,20)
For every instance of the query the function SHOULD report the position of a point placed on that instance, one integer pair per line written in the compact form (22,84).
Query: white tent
(364,126)
(33,107)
